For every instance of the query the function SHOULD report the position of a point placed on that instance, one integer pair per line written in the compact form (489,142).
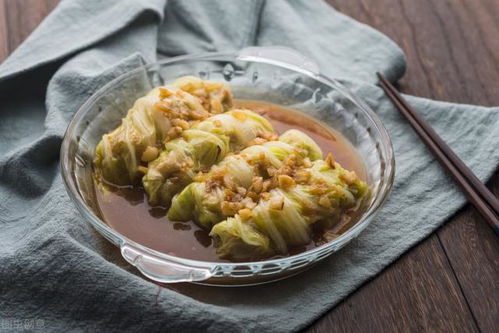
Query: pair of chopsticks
(474,190)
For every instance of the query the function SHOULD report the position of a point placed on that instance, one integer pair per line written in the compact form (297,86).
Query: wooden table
(449,282)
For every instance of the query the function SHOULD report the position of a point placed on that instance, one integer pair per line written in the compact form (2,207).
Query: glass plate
(273,74)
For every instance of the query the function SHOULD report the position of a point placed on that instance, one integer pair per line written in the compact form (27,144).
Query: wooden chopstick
(476,192)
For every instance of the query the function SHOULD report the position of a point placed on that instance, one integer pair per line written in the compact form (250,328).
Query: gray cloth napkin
(56,270)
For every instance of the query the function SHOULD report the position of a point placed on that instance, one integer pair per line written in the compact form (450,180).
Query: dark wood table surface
(450,281)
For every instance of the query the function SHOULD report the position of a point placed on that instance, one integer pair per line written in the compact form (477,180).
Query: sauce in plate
(127,211)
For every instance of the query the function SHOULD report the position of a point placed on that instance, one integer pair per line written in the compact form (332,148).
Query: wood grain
(451,46)
(4,47)
(22,17)
(453,54)
(418,293)
(447,283)
(472,251)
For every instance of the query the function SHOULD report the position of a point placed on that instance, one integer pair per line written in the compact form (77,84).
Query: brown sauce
(126,209)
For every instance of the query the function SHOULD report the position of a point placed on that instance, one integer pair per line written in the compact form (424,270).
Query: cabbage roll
(200,147)
(235,183)
(160,115)
(240,240)
(286,213)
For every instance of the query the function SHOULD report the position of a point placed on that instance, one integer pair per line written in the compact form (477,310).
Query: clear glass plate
(277,75)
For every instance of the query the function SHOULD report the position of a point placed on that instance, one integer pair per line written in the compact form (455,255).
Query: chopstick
(474,190)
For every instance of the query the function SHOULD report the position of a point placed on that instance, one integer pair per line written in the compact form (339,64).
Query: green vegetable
(119,155)
(238,172)
(240,126)
(287,215)
(239,240)
(206,144)
(302,141)
(193,201)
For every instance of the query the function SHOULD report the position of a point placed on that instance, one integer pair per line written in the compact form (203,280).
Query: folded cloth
(54,268)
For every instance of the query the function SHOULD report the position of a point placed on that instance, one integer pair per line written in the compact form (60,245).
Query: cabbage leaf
(121,153)
(238,240)
(235,174)
(286,216)
(199,148)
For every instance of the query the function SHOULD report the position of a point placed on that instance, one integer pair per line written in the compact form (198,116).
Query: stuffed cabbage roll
(240,240)
(235,183)
(200,147)
(286,213)
(160,115)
